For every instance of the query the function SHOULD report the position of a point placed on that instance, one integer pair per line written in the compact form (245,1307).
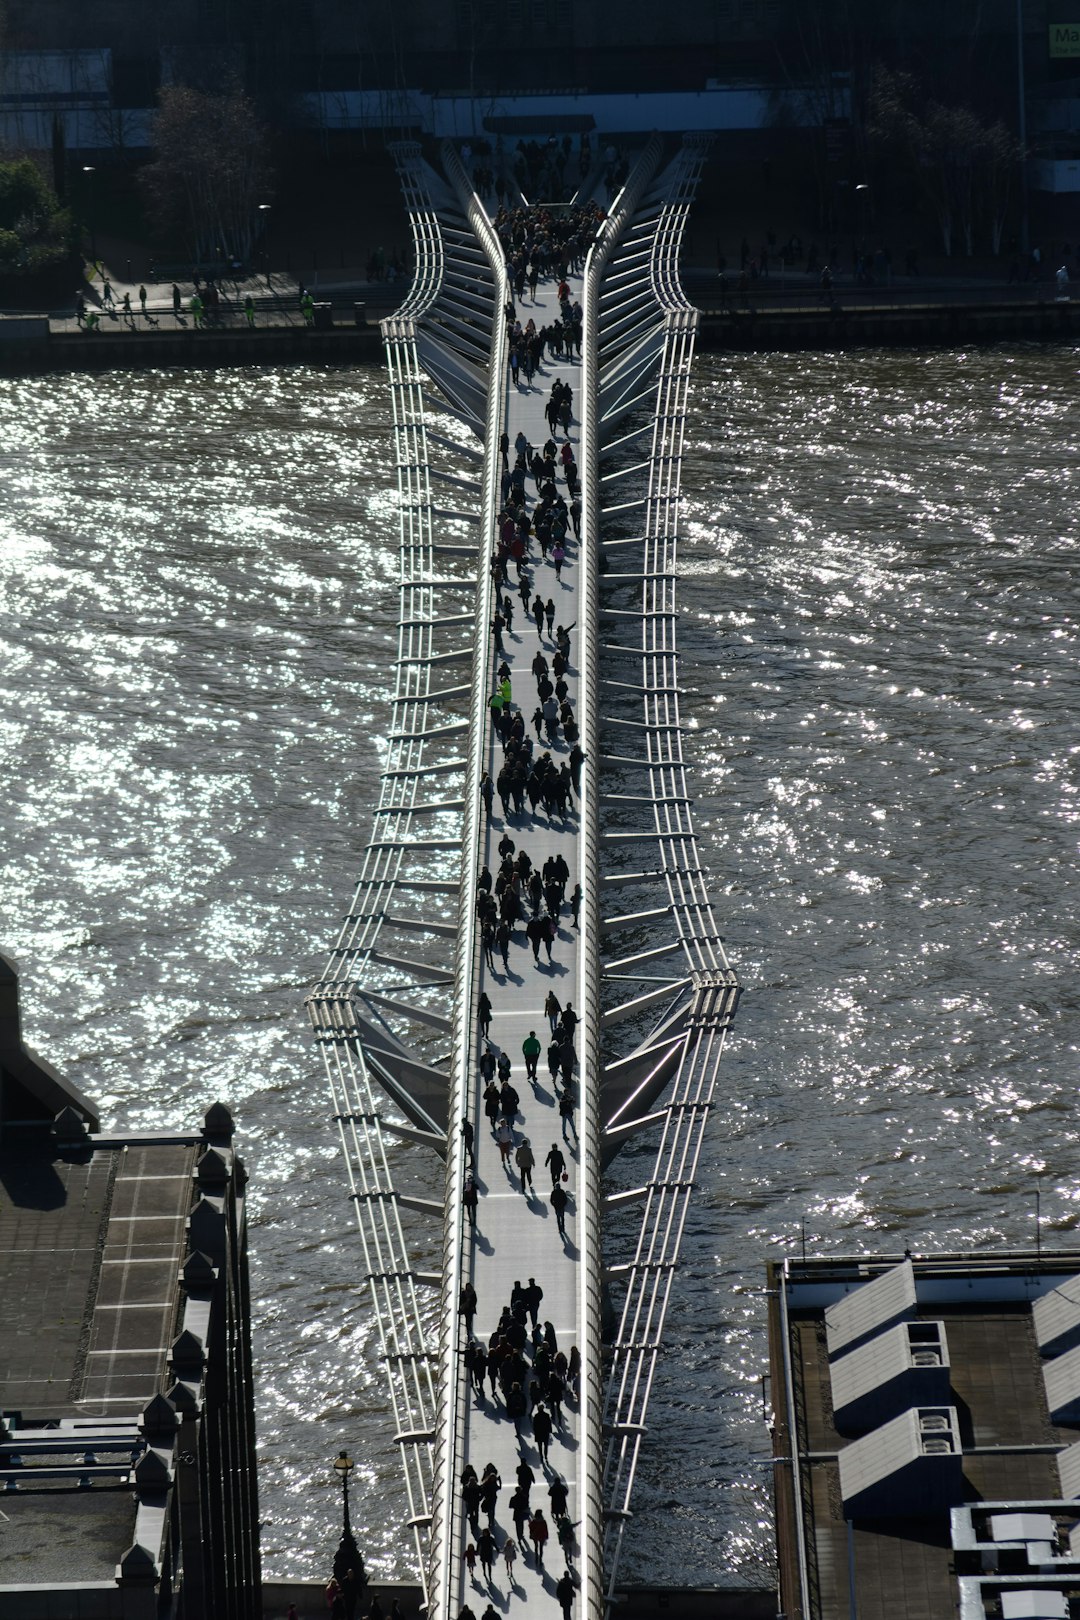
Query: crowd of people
(531,1378)
(518,1370)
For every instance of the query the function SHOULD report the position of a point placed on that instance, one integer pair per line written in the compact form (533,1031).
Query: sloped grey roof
(880,1360)
(1062,1379)
(886,1451)
(876,1305)
(1057,1315)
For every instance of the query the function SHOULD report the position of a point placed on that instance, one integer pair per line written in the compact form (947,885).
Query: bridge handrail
(444,1538)
(391,1279)
(661,327)
(592,1537)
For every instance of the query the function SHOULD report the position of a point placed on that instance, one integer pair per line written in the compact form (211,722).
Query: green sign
(1065,39)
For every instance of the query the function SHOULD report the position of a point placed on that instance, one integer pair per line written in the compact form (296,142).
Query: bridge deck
(517,1236)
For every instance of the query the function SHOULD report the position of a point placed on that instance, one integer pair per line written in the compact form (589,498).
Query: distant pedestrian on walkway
(483,1014)
(564,1591)
(552,1010)
(509,1555)
(555,1163)
(525,1160)
(533,1296)
(538,1530)
(249,312)
(142,301)
(530,1051)
(467,1305)
(470,1198)
(559,1202)
(177,300)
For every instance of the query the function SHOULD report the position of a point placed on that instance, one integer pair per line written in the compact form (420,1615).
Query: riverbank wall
(635,1602)
(31,345)
(930,325)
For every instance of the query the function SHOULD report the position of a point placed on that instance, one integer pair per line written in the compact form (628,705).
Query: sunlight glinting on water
(879,639)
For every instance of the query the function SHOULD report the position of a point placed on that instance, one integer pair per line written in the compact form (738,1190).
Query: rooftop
(941,1416)
(92,1240)
(90,1248)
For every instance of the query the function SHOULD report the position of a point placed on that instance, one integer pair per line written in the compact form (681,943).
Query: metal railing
(653,328)
(450,1428)
(405,794)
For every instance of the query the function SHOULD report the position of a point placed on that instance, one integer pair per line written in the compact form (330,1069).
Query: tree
(962,166)
(209,170)
(35,232)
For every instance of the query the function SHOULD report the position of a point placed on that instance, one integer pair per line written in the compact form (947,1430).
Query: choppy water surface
(880,645)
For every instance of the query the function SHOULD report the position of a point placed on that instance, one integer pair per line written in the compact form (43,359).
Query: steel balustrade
(637,348)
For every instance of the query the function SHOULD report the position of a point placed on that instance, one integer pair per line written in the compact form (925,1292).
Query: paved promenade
(517,1234)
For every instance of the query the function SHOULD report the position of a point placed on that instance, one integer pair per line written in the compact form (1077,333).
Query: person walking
(483,1014)
(249,312)
(509,1556)
(554,1057)
(469,1199)
(530,1051)
(490,1486)
(469,1560)
(552,1010)
(467,1305)
(177,300)
(566,1112)
(525,1160)
(559,1202)
(470,1498)
(505,1138)
(564,1591)
(549,614)
(555,1163)
(467,1141)
(485,1548)
(538,1530)
(558,1496)
(533,1295)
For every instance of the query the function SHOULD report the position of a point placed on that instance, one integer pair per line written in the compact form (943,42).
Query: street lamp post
(90,171)
(348,1561)
(264,210)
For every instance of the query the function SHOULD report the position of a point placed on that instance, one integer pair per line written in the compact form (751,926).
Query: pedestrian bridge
(400,1013)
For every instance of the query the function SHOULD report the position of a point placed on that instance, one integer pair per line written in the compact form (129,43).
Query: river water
(880,651)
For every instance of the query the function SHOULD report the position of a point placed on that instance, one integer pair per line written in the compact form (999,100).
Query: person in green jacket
(530,1050)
